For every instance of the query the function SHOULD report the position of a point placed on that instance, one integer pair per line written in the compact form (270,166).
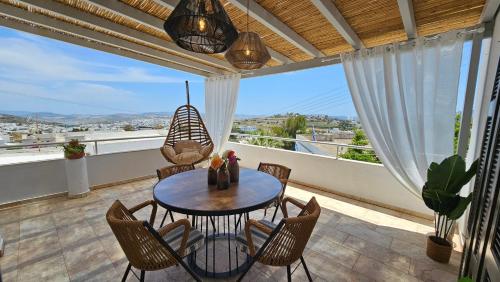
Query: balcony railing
(325,148)
(18,153)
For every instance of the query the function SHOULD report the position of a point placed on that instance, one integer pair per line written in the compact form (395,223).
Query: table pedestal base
(221,256)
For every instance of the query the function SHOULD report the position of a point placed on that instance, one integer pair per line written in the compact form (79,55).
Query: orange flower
(216,162)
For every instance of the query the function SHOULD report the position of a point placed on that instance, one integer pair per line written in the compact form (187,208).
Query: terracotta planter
(438,249)
(212,176)
(75,156)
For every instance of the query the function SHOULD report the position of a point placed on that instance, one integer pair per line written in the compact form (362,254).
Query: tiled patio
(60,240)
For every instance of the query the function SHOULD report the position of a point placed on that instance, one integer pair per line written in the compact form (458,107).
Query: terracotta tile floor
(60,240)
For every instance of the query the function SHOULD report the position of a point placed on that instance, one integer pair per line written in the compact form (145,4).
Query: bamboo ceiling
(375,22)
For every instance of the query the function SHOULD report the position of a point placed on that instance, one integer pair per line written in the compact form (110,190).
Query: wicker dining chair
(282,173)
(282,244)
(168,171)
(148,249)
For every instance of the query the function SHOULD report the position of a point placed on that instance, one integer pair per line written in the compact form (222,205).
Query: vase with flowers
(232,165)
(215,163)
(223,180)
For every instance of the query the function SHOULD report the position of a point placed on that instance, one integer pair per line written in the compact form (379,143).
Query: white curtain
(221,97)
(405,95)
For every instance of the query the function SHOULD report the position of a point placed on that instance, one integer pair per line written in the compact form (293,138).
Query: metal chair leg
(143,274)
(305,268)
(195,277)
(165,217)
(171,216)
(288,273)
(125,275)
(252,261)
(275,212)
(163,220)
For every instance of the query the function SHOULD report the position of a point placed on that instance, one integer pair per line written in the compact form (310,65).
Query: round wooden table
(219,214)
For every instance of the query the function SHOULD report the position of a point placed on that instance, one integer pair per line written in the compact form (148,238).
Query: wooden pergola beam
(408,17)
(333,15)
(489,10)
(9,11)
(313,63)
(277,56)
(270,21)
(70,12)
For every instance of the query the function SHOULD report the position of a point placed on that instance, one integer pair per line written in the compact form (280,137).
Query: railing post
(95,148)
(337,155)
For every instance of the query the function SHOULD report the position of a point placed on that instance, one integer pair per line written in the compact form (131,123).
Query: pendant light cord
(248,12)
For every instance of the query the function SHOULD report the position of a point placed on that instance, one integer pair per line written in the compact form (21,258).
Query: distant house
(248,128)
(4,140)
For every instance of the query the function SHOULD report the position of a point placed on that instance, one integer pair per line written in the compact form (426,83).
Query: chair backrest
(281,172)
(168,171)
(142,248)
(287,243)
(187,125)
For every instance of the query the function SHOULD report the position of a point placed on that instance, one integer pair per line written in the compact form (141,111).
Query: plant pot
(439,249)
(77,177)
(75,156)
(212,176)
(234,172)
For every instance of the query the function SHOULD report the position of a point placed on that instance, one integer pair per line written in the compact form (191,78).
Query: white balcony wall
(361,180)
(372,182)
(42,178)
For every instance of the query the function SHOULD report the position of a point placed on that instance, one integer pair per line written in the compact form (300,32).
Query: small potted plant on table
(441,193)
(76,169)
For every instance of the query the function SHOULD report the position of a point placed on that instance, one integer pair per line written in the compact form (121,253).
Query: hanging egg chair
(188,141)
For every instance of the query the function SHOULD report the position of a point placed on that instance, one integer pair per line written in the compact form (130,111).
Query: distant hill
(5,118)
(78,119)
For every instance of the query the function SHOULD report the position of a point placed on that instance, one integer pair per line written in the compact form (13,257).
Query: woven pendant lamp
(201,26)
(248,52)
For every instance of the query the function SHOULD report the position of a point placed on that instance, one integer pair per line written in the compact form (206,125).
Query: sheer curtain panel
(405,95)
(221,97)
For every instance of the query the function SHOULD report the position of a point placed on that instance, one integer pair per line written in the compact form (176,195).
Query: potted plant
(441,193)
(76,169)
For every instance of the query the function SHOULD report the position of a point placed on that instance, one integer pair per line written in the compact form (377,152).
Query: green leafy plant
(360,139)
(441,193)
(74,150)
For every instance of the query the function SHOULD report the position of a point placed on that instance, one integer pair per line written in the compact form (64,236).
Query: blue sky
(43,75)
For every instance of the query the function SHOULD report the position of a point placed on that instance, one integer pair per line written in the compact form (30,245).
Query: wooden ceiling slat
(376,21)
(438,16)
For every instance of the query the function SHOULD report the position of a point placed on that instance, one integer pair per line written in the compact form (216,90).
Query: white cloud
(98,97)
(29,58)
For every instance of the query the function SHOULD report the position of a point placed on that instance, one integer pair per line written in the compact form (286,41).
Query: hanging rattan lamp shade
(248,52)
(201,26)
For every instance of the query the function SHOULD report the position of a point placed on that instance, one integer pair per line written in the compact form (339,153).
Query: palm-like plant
(441,193)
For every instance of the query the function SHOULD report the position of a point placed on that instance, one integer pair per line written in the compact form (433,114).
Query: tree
(346,125)
(364,155)
(295,124)
(128,127)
